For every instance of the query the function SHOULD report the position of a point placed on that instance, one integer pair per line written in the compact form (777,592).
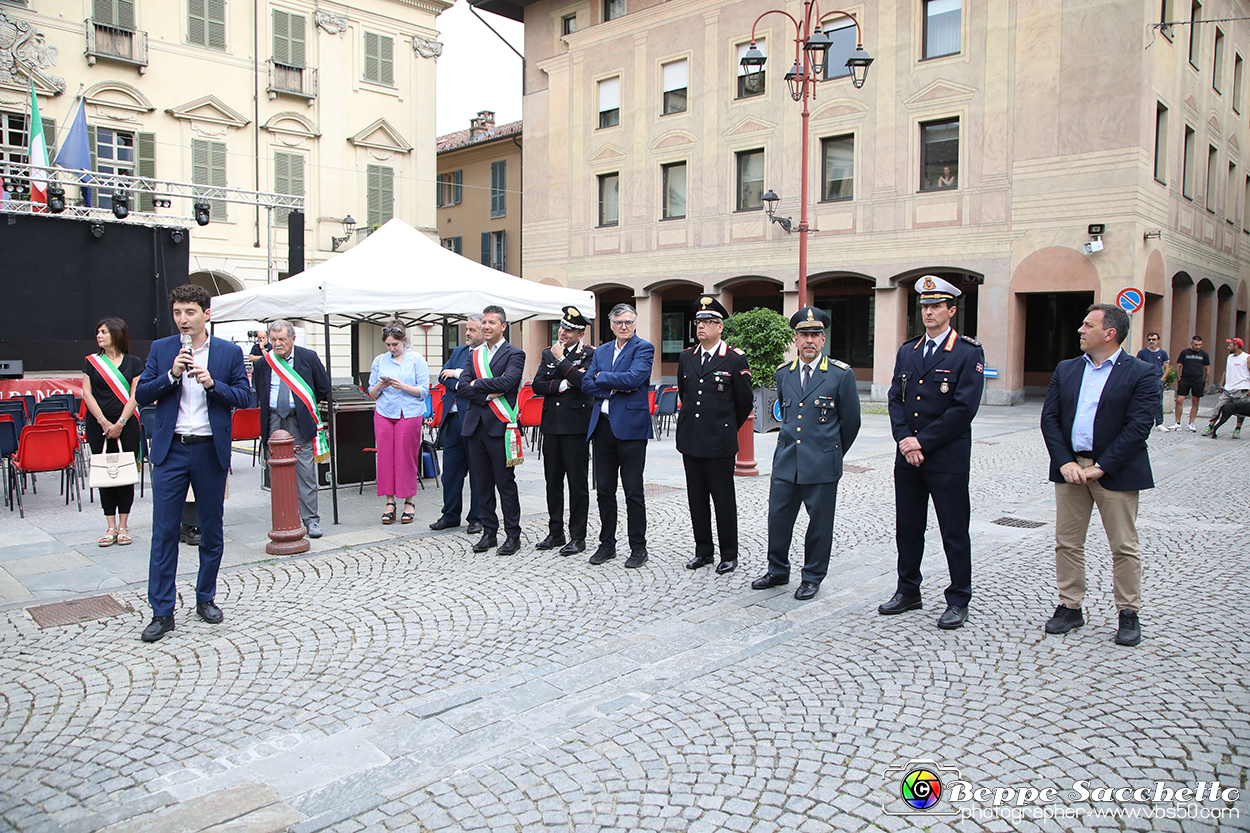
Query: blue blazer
(624,385)
(307,365)
(458,360)
(230,390)
(507,366)
(935,401)
(1121,425)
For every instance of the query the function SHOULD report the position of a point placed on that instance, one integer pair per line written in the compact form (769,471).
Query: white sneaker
(1161,428)
(1190,427)
(1175,427)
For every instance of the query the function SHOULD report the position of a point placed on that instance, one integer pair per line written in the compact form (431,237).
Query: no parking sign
(1131,299)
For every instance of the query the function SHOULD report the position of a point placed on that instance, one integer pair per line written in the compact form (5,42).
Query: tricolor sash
(112,376)
(301,390)
(513,453)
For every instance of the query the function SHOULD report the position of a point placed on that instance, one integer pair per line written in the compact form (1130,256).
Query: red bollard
(745,466)
(287,535)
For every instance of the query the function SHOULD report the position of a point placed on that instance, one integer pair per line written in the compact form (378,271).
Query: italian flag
(38,155)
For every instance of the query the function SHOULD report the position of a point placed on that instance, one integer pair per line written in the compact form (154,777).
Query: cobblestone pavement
(415,686)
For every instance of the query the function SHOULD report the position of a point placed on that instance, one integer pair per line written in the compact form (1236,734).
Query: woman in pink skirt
(399,381)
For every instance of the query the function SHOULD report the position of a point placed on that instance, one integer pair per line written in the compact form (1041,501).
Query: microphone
(186,342)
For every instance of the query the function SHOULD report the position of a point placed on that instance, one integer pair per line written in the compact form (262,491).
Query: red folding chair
(531,417)
(244,426)
(47,449)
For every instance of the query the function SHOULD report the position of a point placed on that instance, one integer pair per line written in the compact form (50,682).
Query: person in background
(1235,387)
(108,392)
(399,381)
(1194,367)
(456,462)
(1152,354)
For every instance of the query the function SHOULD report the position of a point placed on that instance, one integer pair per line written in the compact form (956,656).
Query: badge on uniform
(945,387)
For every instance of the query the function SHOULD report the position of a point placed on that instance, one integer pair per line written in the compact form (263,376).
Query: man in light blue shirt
(1092,382)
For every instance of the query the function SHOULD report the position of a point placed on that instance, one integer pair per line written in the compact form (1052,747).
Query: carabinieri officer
(938,379)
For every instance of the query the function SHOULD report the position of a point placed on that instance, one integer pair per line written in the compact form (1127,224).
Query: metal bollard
(287,535)
(744,465)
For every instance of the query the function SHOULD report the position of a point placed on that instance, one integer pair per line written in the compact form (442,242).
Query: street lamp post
(811,53)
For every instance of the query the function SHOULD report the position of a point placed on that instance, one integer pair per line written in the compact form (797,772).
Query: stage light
(121,205)
(203,213)
(56,199)
(175,234)
(97,230)
(161,202)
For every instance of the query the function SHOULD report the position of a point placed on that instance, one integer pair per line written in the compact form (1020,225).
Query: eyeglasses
(398,332)
(623,323)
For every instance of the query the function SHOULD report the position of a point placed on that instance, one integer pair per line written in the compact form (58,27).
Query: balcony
(300,82)
(115,43)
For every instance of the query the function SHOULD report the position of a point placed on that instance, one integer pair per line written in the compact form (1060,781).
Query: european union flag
(75,153)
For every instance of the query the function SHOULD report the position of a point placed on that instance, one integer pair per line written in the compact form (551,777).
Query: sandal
(123,537)
(410,513)
(388,517)
(108,539)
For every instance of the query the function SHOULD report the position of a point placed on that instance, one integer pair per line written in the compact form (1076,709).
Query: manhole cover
(75,611)
(855,469)
(1020,522)
(654,489)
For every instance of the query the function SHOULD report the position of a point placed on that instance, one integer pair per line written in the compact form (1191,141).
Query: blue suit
(175,465)
(485,435)
(456,462)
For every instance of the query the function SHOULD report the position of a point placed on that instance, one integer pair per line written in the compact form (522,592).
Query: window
(1187,175)
(841,32)
(609,199)
(1230,195)
(610,102)
(838,171)
(494,250)
(756,85)
(454,244)
(674,177)
(675,75)
(568,24)
(1195,36)
(1217,62)
(206,23)
(208,167)
(118,13)
(750,180)
(288,40)
(379,194)
(939,155)
(15,144)
(499,188)
(612,9)
(114,154)
(941,28)
(1161,143)
(1212,156)
(379,59)
(288,178)
(1236,82)
(450,189)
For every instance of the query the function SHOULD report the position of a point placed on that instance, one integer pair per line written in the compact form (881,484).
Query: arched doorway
(1155,287)
(673,302)
(1204,313)
(1240,329)
(1049,319)
(1223,317)
(217,283)
(749,292)
(606,297)
(1183,297)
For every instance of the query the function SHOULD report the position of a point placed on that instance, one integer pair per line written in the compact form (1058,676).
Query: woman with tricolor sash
(399,381)
(108,392)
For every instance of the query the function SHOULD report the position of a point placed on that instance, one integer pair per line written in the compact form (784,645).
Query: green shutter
(218,166)
(91,140)
(49,137)
(379,194)
(371,56)
(459,244)
(486,248)
(457,190)
(217,24)
(499,188)
(197,22)
(281,38)
(102,12)
(438,191)
(208,167)
(299,57)
(126,14)
(145,164)
(388,194)
(288,178)
(386,60)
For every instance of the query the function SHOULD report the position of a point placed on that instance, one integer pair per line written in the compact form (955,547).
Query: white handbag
(113,468)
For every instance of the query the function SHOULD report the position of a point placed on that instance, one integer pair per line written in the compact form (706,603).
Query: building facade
(990,140)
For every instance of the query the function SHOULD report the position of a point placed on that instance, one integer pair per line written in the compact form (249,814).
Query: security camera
(1092,246)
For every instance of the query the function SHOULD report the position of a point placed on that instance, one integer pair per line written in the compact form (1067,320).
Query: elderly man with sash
(289,383)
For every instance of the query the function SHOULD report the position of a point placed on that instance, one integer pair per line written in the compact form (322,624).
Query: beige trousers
(1073,504)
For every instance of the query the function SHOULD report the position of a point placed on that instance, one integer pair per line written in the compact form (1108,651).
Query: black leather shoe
(726,566)
(899,603)
(485,542)
(699,561)
(475,528)
(769,580)
(806,590)
(209,612)
(443,523)
(604,553)
(1128,634)
(157,628)
(190,535)
(550,542)
(509,546)
(573,547)
(636,559)
(953,617)
(1065,619)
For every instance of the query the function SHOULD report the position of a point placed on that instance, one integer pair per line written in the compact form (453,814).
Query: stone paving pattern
(415,686)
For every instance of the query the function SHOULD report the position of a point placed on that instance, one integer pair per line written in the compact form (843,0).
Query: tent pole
(330,417)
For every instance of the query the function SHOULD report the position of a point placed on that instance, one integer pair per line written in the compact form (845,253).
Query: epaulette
(793,365)
(840,364)
(736,350)
(687,350)
(914,338)
(970,340)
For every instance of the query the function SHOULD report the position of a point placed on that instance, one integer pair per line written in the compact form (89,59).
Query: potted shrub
(1169,391)
(764,336)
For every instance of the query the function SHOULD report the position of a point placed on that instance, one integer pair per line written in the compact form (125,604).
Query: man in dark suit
(456,463)
(620,424)
(714,383)
(819,421)
(938,379)
(281,409)
(488,390)
(1098,413)
(566,419)
(196,382)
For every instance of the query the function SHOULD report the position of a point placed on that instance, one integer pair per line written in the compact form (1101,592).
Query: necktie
(807,375)
(929,348)
(706,356)
(284,400)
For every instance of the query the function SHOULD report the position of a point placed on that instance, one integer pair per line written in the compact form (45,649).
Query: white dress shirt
(193,401)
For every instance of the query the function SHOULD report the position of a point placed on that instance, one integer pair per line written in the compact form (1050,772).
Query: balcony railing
(293,81)
(114,43)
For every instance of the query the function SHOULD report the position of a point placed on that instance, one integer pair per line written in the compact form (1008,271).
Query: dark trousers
(456,465)
(197,465)
(488,459)
(623,459)
(712,477)
(1159,410)
(784,499)
(912,489)
(567,456)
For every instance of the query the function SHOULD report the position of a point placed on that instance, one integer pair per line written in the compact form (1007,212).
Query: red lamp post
(811,52)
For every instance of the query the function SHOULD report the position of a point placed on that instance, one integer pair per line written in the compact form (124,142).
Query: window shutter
(49,136)
(91,140)
(459,244)
(486,248)
(438,191)
(498,188)
(216,22)
(298,52)
(217,162)
(197,22)
(371,56)
(372,195)
(388,194)
(457,190)
(145,164)
(386,60)
(281,183)
(102,12)
(126,14)
(281,38)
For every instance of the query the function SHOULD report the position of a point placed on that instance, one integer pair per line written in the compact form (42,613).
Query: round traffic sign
(1131,299)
